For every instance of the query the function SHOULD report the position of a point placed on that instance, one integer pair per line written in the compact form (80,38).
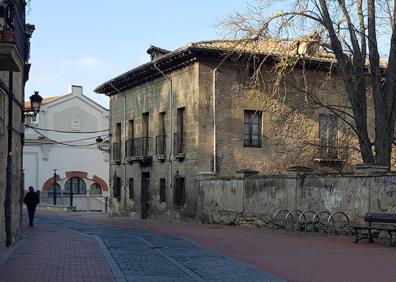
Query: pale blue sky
(86,42)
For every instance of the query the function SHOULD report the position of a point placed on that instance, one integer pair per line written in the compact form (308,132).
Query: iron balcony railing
(141,147)
(160,145)
(13,27)
(179,143)
(328,150)
(117,152)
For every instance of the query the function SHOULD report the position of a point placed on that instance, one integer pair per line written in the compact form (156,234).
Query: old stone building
(211,106)
(14,72)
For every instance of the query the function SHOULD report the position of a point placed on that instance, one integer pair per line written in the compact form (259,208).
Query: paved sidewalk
(55,254)
(294,257)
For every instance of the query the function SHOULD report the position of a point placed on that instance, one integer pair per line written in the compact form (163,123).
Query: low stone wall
(253,200)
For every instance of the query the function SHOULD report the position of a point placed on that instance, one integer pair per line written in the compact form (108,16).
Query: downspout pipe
(214,119)
(170,124)
(125,136)
(214,72)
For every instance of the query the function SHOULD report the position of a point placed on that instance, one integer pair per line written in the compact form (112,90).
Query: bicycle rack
(276,222)
(293,222)
(332,223)
(302,220)
(317,216)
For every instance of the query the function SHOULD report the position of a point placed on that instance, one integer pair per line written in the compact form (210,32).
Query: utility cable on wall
(64,131)
(66,143)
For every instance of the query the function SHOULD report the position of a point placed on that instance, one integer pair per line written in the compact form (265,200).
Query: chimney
(156,52)
(76,90)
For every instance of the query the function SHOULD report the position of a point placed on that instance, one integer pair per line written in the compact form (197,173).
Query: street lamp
(102,145)
(35,102)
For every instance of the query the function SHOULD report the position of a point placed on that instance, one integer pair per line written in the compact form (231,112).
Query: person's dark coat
(32,199)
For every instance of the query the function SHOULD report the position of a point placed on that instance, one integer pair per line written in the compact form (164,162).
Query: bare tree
(349,30)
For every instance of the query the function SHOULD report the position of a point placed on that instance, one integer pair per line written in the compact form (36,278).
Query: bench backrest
(380,217)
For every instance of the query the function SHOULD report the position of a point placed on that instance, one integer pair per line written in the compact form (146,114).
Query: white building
(63,137)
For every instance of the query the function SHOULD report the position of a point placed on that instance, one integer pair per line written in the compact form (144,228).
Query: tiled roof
(263,47)
(46,100)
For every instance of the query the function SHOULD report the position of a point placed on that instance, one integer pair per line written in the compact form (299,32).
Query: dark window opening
(179,142)
(51,189)
(117,143)
(161,138)
(131,189)
(76,185)
(95,189)
(131,136)
(162,190)
(145,124)
(252,128)
(180,196)
(117,187)
(328,127)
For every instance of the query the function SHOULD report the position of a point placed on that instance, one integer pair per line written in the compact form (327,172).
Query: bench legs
(361,236)
(369,235)
(390,238)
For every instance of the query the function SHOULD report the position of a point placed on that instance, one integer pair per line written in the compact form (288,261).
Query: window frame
(248,128)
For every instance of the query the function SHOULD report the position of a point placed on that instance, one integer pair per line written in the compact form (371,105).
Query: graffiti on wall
(386,201)
(328,196)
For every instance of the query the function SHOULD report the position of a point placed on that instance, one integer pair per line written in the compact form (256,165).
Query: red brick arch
(76,173)
(101,183)
(49,182)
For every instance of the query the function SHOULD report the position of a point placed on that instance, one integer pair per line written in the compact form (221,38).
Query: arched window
(51,189)
(77,184)
(95,189)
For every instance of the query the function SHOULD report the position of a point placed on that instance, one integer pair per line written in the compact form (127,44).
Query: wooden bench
(382,222)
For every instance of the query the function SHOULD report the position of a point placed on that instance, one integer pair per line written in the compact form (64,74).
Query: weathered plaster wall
(226,200)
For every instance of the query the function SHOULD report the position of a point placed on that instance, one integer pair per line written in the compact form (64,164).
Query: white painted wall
(72,112)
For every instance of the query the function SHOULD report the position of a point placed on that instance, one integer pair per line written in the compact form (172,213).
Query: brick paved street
(63,248)
(294,257)
(138,250)
(51,253)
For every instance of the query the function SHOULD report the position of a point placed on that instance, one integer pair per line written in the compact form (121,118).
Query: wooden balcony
(14,37)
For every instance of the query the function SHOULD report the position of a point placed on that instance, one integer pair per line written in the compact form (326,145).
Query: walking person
(31,200)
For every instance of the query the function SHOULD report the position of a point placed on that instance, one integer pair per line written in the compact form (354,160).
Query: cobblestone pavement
(292,256)
(138,255)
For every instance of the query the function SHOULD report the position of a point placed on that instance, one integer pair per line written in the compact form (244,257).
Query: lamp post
(55,186)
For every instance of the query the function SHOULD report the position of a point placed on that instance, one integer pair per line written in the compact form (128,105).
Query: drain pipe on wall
(214,119)
(170,125)
(214,72)
(125,136)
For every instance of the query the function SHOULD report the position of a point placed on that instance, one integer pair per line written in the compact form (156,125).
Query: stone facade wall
(286,140)
(17,135)
(153,98)
(228,200)
(282,136)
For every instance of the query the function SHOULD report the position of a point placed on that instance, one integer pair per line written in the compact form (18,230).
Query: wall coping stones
(369,169)
(298,170)
(206,175)
(246,172)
